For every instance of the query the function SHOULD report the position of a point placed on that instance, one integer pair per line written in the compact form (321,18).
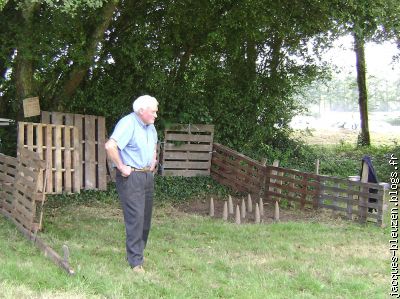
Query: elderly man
(132,148)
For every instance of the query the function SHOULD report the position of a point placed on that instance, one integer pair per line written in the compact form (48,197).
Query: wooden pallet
(187,150)
(59,146)
(20,198)
(92,136)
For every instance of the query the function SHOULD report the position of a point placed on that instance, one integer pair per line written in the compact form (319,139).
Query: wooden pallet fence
(59,146)
(92,136)
(237,171)
(20,198)
(291,185)
(187,150)
(357,200)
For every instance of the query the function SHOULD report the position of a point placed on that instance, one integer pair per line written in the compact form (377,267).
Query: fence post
(317,191)
(262,188)
(363,201)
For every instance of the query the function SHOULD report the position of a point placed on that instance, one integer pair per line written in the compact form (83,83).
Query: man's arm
(112,152)
(153,165)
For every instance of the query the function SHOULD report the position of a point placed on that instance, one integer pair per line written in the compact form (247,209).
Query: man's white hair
(144,102)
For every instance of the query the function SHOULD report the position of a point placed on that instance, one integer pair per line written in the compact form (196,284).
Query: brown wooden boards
(308,190)
(92,134)
(187,150)
(58,145)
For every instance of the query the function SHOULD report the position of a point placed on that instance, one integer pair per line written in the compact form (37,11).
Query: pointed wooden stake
(257,214)
(243,211)
(237,218)
(211,207)
(276,214)
(230,205)
(249,204)
(225,211)
(261,205)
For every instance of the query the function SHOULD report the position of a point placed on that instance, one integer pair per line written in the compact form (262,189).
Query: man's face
(149,115)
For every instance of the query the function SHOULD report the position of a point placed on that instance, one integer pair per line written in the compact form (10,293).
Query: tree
(367,21)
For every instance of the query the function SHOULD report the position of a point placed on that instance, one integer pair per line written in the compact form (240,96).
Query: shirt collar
(140,121)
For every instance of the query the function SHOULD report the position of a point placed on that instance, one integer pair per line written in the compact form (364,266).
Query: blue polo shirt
(136,141)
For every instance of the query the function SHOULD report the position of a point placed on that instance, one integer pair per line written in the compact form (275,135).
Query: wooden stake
(261,205)
(243,211)
(317,166)
(211,207)
(276,214)
(230,205)
(225,211)
(257,214)
(237,218)
(249,203)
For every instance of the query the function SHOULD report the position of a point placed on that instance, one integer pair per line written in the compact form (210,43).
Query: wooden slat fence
(59,146)
(92,136)
(356,200)
(187,150)
(20,198)
(236,170)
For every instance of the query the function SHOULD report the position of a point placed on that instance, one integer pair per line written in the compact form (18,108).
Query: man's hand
(125,170)
(153,166)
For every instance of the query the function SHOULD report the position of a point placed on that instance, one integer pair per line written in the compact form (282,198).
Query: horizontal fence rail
(356,200)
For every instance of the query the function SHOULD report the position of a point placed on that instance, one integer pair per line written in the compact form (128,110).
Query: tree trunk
(80,70)
(364,138)
(24,81)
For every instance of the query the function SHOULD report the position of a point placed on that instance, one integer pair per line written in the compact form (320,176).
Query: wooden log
(257,214)
(225,211)
(261,206)
(230,204)
(249,204)
(243,209)
(211,207)
(276,212)
(237,217)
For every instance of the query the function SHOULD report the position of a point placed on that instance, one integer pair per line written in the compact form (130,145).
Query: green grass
(189,256)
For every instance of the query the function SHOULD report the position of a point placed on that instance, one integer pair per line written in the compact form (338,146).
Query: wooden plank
(239,163)
(190,128)
(101,154)
(218,147)
(45,117)
(67,160)
(233,175)
(90,153)
(77,164)
(185,165)
(79,123)
(236,173)
(49,159)
(58,161)
(186,172)
(188,138)
(187,156)
(188,147)
(57,118)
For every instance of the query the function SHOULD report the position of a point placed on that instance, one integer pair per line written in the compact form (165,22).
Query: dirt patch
(287,214)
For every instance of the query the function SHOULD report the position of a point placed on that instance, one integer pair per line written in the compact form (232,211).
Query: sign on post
(31,107)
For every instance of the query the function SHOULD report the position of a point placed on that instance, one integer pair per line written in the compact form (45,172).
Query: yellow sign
(31,107)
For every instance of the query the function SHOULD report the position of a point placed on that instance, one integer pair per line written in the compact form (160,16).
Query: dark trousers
(136,196)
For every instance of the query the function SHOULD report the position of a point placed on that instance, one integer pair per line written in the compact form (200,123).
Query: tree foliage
(234,64)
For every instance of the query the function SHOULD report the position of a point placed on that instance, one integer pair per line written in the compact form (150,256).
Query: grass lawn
(189,256)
